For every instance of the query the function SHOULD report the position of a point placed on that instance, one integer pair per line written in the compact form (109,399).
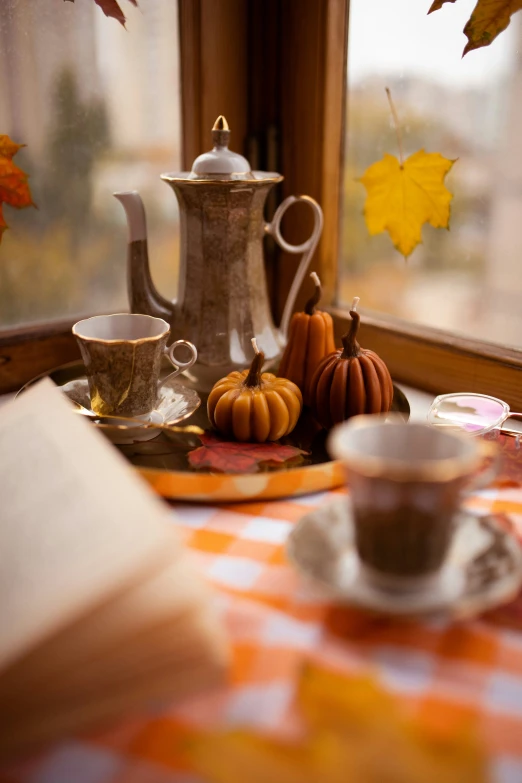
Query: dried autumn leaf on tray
(226,456)
(14,188)
(402,195)
(112,8)
(489,18)
(354,731)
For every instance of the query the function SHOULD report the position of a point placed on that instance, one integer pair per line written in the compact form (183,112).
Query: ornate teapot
(222,294)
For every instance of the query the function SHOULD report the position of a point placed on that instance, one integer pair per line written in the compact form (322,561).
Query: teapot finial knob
(221,123)
(221,132)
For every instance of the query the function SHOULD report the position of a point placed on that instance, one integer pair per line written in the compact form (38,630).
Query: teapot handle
(306,248)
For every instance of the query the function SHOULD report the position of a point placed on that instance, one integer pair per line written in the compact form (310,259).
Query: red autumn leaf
(111,8)
(14,188)
(225,456)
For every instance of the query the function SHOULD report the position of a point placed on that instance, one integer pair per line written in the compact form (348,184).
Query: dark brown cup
(406,483)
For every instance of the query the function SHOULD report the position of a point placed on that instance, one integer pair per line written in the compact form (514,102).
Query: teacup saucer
(483,568)
(175,403)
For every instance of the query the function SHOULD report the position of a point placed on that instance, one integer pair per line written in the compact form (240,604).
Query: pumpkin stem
(314,300)
(350,344)
(254,375)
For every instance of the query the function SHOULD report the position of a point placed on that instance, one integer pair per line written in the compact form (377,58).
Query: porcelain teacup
(122,354)
(407,482)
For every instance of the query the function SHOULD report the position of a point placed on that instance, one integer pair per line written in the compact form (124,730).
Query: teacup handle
(486,476)
(180,366)
(306,248)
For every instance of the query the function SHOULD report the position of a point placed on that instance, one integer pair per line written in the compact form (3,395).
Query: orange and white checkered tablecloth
(275,622)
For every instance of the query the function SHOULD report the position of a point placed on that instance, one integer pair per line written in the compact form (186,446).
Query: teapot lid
(220,162)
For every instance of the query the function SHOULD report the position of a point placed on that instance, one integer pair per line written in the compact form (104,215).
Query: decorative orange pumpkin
(251,406)
(350,381)
(310,339)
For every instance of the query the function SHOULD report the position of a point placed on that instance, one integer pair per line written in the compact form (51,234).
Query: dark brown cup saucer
(483,568)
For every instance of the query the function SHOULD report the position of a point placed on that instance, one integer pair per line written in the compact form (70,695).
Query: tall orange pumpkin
(350,381)
(310,339)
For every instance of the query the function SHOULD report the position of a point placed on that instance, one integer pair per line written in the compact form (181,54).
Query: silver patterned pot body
(222,296)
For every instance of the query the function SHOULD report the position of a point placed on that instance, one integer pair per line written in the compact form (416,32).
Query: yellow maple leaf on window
(402,197)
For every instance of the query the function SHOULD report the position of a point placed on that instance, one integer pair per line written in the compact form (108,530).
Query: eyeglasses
(476,414)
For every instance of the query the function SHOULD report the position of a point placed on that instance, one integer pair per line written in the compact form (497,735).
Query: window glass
(468,279)
(98,107)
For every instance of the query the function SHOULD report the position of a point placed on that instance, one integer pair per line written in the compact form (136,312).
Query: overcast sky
(397,36)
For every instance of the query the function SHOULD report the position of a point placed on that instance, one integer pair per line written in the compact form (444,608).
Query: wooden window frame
(277,70)
(31,350)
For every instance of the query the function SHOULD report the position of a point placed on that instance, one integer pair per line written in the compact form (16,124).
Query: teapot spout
(143,296)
